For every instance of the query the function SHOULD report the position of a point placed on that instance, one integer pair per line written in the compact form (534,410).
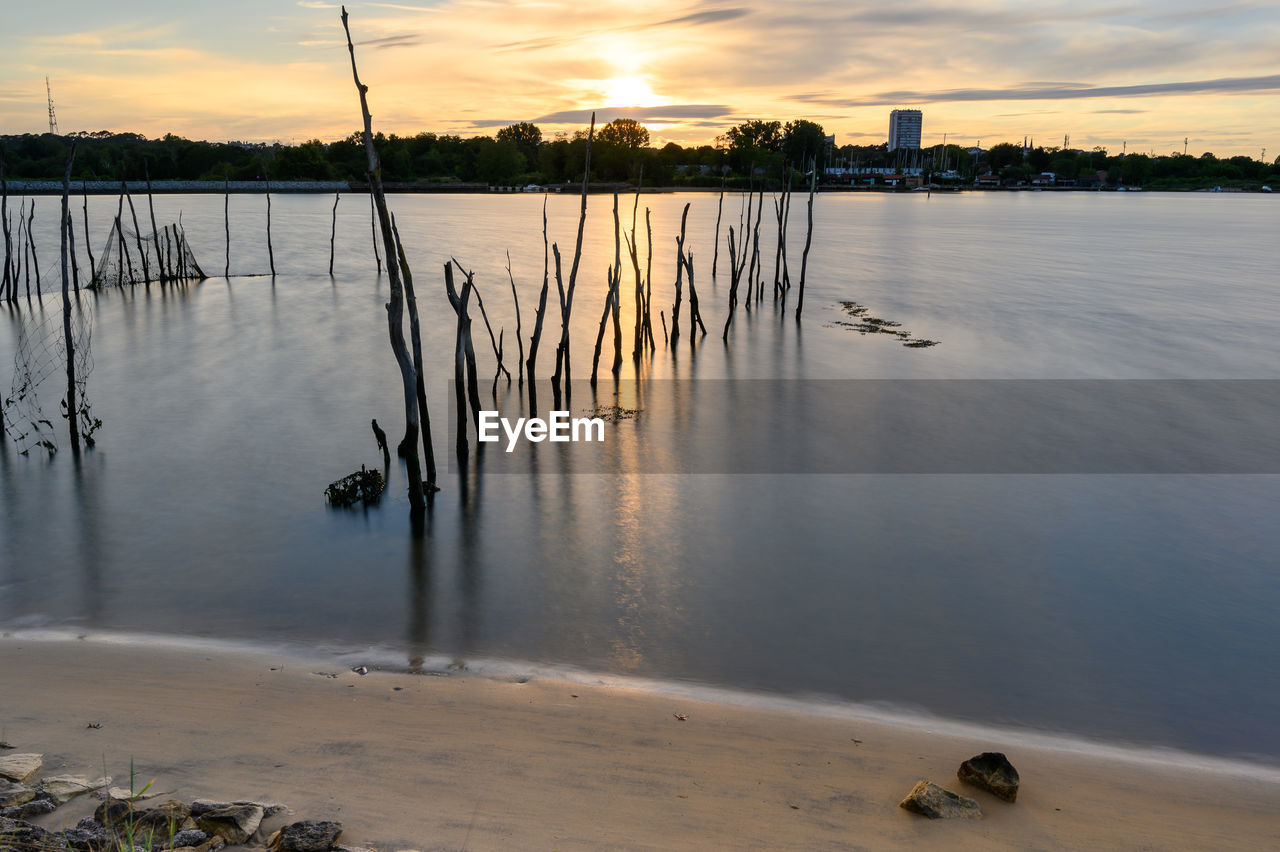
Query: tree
(497,161)
(803,141)
(527,137)
(626,132)
(764,135)
(1003,155)
(754,144)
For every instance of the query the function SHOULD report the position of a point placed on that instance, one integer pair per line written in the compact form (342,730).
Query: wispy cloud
(407,40)
(660,114)
(1266,83)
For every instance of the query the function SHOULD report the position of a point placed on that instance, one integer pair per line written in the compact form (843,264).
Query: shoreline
(501,759)
(18,188)
(392,661)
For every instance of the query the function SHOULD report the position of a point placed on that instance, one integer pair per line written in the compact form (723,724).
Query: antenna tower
(53,119)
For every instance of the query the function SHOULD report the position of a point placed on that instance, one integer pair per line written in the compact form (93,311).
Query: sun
(629,91)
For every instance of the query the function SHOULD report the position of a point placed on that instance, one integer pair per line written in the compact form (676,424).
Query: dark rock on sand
(112,812)
(308,836)
(233,823)
(34,808)
(12,795)
(190,837)
(162,816)
(928,799)
(202,806)
(87,836)
(16,834)
(993,772)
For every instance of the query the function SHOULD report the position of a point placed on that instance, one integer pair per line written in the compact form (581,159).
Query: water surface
(1126,607)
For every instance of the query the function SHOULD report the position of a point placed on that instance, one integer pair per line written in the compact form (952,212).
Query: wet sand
(422,762)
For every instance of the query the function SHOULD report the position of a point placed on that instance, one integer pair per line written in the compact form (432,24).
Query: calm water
(1134,608)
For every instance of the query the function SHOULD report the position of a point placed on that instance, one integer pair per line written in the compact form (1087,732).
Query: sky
(1144,76)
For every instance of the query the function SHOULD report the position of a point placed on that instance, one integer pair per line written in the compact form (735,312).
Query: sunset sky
(1107,72)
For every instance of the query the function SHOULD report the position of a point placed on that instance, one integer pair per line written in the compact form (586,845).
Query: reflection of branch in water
(875,325)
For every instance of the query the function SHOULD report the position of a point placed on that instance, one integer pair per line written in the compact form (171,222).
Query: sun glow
(630,91)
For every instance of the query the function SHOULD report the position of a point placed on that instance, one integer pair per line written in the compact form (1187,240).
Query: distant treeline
(621,152)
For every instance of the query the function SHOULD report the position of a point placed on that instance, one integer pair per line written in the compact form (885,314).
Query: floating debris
(612,413)
(363,486)
(875,325)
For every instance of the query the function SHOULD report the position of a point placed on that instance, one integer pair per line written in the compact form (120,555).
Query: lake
(1121,595)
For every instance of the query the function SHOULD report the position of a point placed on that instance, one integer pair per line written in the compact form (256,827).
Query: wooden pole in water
(493,341)
(808,237)
(539,313)
(415,336)
(35,260)
(137,237)
(715,258)
(226,221)
(675,308)
(71,250)
(695,315)
(23,261)
(271,255)
(395,307)
(73,425)
(151,208)
(563,370)
(373,227)
(6,279)
(610,294)
(88,241)
(617,290)
(461,443)
(333,231)
(515,297)
(633,249)
(648,280)
(468,347)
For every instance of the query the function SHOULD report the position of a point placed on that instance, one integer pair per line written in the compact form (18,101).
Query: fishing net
(41,355)
(130,257)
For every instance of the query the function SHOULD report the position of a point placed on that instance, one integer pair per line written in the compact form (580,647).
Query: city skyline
(1107,75)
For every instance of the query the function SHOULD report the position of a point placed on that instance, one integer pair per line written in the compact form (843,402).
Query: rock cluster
(121,822)
(928,799)
(990,770)
(993,772)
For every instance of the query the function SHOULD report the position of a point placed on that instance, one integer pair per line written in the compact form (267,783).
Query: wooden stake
(538,315)
(675,308)
(415,335)
(515,297)
(808,237)
(373,228)
(73,425)
(566,294)
(715,258)
(226,221)
(271,255)
(395,308)
(333,231)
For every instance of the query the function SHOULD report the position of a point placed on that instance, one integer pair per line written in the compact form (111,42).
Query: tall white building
(904,128)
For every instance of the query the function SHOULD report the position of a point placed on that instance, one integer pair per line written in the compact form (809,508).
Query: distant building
(904,129)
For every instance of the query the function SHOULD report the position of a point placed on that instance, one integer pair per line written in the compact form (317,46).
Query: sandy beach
(422,762)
